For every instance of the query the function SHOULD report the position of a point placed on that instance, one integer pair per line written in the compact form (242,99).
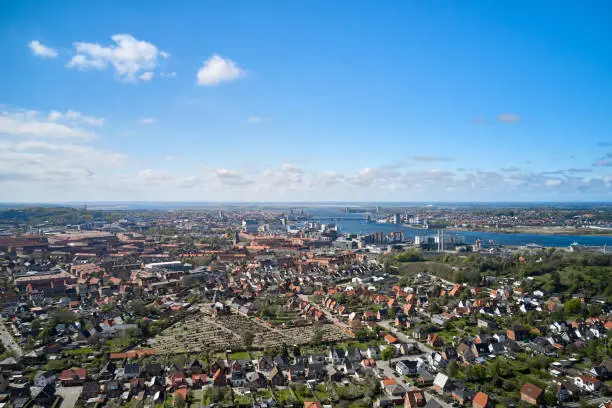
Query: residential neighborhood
(132,315)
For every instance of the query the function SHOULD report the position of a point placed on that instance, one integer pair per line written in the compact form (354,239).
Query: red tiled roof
(480,399)
(531,391)
(80,373)
(389,381)
(390,339)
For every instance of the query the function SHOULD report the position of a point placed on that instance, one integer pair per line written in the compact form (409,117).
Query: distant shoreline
(540,231)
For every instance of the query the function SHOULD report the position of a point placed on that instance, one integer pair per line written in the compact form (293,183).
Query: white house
(43,378)
(587,383)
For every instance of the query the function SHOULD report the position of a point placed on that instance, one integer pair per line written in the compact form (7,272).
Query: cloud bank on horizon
(258,110)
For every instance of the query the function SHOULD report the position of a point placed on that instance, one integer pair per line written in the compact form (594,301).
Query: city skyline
(264,102)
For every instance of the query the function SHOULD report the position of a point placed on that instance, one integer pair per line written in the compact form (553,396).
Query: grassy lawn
(321,393)
(241,355)
(264,394)
(303,393)
(284,395)
(349,391)
(197,396)
(243,400)
(79,352)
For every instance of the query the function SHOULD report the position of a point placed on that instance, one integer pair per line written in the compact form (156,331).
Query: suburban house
(73,376)
(481,400)
(414,398)
(406,367)
(441,383)
(588,383)
(531,394)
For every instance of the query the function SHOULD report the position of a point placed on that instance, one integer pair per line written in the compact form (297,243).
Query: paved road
(390,373)
(329,315)
(429,396)
(70,395)
(386,324)
(8,341)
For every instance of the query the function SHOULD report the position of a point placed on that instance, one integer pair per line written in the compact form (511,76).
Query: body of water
(356,224)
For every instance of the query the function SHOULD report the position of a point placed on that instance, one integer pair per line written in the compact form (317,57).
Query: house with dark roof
(113,388)
(255,380)
(219,378)
(131,370)
(265,363)
(275,377)
(353,354)
(337,356)
(406,367)
(43,396)
(194,367)
(108,371)
(90,389)
(462,395)
(281,362)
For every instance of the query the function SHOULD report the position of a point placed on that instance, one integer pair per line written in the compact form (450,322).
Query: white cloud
(154,177)
(82,63)
(257,119)
(55,116)
(553,182)
(508,118)
(230,177)
(327,179)
(170,158)
(218,69)
(41,50)
(75,117)
(291,168)
(56,161)
(78,117)
(27,123)
(168,74)
(132,59)
(147,76)
(147,121)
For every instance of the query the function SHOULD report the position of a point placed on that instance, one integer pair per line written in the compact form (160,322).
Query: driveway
(70,395)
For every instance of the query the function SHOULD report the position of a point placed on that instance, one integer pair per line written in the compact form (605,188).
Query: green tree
(388,353)
(452,369)
(572,306)
(317,334)
(247,338)
(35,325)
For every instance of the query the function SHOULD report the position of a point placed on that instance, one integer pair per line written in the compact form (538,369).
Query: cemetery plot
(202,333)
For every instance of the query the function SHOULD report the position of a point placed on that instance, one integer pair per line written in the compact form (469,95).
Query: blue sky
(306,100)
